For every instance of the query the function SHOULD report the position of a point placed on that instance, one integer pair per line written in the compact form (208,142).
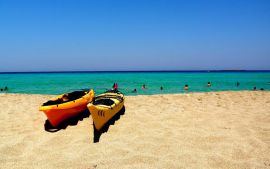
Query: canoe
(104,107)
(65,106)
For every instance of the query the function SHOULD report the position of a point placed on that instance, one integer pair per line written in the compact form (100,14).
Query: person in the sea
(209,84)
(144,86)
(161,88)
(237,84)
(115,86)
(1,90)
(186,87)
(254,88)
(134,91)
(262,89)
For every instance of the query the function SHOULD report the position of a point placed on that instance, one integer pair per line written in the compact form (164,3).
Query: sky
(105,35)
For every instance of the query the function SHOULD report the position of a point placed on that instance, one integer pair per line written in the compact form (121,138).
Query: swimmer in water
(161,88)
(115,86)
(134,91)
(186,87)
(144,87)
(209,84)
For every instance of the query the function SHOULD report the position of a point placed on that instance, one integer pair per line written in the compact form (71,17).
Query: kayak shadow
(106,127)
(70,122)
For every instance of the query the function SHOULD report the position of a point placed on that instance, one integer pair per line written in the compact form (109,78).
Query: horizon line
(130,71)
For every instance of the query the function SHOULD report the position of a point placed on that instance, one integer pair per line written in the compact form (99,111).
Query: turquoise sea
(172,82)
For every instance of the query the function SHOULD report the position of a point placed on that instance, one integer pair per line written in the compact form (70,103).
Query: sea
(171,81)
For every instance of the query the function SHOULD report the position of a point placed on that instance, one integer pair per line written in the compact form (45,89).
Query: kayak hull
(101,114)
(58,113)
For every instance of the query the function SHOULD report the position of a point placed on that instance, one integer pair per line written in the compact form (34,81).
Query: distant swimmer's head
(209,84)
(143,86)
(186,87)
(1,89)
(161,88)
(262,89)
(6,88)
(254,88)
(134,91)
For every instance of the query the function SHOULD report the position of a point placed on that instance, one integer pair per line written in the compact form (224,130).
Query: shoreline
(182,93)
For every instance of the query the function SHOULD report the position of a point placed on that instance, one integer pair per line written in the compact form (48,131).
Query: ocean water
(172,82)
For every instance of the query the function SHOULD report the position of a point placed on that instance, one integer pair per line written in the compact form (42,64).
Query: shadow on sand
(105,128)
(85,114)
(70,122)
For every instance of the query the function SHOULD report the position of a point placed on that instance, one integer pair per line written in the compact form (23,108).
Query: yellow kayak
(104,107)
(65,106)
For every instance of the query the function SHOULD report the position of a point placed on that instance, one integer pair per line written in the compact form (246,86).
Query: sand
(196,130)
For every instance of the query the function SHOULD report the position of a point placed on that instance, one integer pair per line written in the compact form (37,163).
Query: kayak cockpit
(66,98)
(103,101)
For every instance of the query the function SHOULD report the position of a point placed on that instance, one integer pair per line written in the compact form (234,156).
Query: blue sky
(64,35)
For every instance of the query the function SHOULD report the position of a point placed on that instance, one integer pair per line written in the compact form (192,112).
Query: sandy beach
(195,130)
